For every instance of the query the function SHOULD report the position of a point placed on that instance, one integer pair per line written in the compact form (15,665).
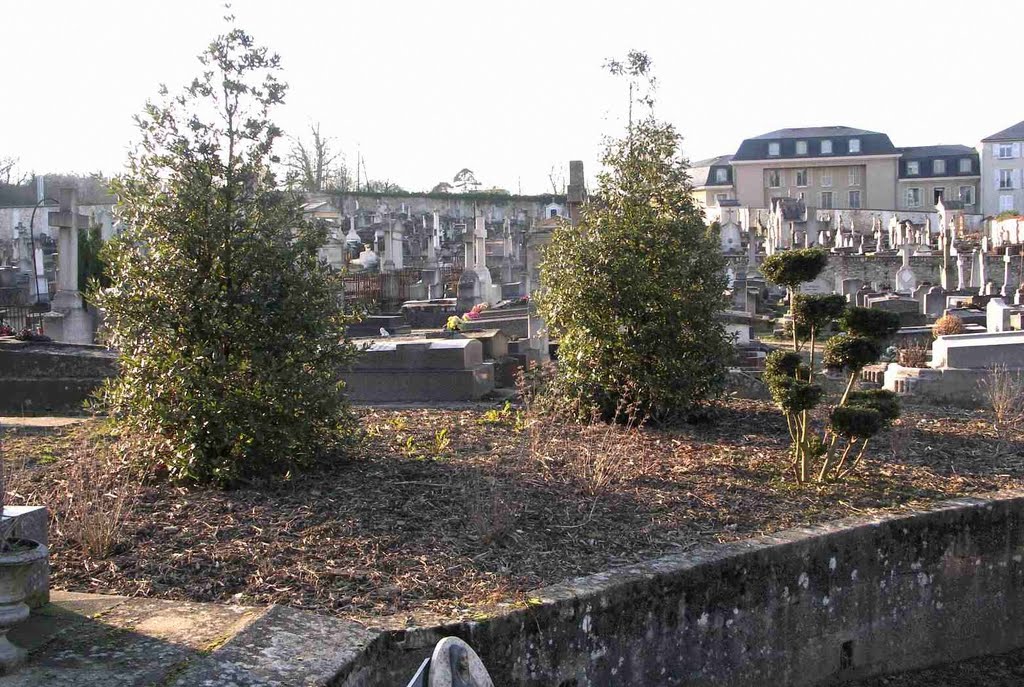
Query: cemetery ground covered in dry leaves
(442,513)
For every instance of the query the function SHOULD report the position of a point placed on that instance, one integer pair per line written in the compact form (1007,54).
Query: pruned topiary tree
(790,380)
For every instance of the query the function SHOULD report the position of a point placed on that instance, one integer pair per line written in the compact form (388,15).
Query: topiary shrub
(947,325)
(858,415)
(870,323)
(792,268)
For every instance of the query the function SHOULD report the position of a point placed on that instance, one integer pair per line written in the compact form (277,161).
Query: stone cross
(68,222)
(959,272)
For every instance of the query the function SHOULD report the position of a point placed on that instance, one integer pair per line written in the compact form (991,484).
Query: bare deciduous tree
(313,165)
(9,173)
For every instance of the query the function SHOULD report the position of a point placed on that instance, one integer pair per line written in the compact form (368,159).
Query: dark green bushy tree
(635,290)
(228,325)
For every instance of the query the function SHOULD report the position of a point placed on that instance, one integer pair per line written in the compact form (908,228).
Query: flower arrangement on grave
(837,450)
(453,324)
(474,312)
(6,330)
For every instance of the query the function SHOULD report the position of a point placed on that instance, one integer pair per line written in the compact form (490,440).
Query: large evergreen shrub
(635,290)
(230,328)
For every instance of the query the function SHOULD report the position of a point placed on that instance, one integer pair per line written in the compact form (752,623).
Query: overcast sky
(510,89)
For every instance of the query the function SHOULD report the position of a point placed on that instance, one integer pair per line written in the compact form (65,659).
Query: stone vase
(14,569)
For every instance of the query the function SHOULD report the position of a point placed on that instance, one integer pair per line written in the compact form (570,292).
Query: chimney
(575,193)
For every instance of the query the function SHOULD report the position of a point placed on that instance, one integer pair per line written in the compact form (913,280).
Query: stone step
(93,640)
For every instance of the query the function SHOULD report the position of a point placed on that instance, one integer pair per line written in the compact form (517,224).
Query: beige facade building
(1002,171)
(930,173)
(828,168)
(840,168)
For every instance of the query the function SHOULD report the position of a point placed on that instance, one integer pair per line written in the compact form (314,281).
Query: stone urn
(14,568)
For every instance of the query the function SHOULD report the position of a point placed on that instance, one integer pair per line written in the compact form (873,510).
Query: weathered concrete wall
(804,607)
(50,377)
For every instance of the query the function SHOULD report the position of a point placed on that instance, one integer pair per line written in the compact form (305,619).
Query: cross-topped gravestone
(68,322)
(906,281)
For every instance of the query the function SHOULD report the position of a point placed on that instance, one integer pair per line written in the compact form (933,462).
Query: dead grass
(1004,391)
(98,496)
(413,525)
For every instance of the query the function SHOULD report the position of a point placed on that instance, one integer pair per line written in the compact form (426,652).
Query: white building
(1002,171)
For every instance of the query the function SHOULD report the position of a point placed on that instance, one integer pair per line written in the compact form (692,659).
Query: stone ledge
(814,605)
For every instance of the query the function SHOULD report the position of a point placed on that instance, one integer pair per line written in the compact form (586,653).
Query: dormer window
(801,147)
(913,168)
(965,165)
(854,146)
(773,149)
(826,147)
(721,175)
(938,166)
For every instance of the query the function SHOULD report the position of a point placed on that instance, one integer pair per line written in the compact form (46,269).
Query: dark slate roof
(813,132)
(1014,133)
(702,173)
(871,143)
(926,155)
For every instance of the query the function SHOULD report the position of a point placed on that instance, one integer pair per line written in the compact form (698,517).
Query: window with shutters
(854,176)
(826,147)
(938,194)
(913,198)
(967,195)
(854,199)
(1005,203)
(938,166)
(913,168)
(774,178)
(854,146)
(801,147)
(773,149)
(1005,151)
(965,165)
(1006,178)
(826,200)
(801,177)
(826,177)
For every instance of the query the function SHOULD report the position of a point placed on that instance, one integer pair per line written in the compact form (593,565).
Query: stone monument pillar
(1007,290)
(68,322)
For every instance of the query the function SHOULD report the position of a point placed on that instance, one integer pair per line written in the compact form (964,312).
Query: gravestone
(469,291)
(818,287)
(68,321)
(849,288)
(979,351)
(998,314)
(908,309)
(862,293)
(919,294)
(934,301)
(906,280)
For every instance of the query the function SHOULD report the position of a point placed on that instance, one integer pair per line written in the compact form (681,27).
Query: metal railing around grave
(386,292)
(18,312)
